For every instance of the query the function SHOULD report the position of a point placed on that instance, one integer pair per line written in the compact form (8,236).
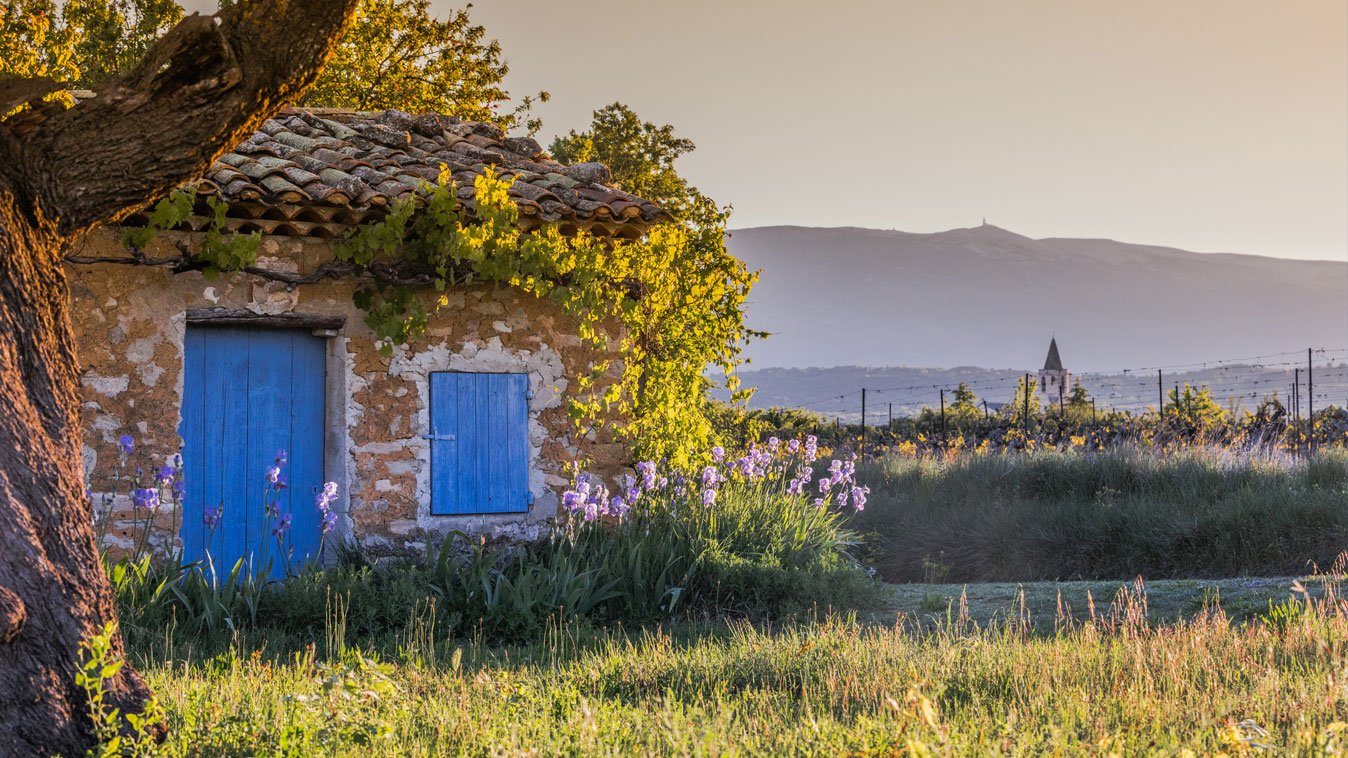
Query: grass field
(1194,512)
(894,682)
(407,658)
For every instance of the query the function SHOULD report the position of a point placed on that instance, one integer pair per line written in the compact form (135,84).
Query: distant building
(1053,377)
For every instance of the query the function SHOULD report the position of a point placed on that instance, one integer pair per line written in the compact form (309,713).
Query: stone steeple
(1053,377)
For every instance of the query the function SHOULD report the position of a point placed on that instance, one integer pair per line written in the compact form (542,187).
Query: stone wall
(130,322)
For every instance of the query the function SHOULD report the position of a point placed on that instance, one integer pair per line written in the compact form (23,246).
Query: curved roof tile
(365,161)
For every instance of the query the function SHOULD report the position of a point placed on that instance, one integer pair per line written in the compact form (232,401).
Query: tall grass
(1110,685)
(1198,512)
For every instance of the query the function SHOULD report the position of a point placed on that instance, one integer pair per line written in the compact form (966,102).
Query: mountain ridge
(986,295)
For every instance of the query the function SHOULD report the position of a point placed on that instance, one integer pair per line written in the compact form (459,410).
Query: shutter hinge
(528,498)
(438,437)
(528,394)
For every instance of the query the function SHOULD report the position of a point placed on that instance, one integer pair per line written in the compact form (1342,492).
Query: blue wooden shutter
(479,443)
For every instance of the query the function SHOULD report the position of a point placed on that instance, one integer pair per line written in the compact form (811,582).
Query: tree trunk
(199,90)
(53,593)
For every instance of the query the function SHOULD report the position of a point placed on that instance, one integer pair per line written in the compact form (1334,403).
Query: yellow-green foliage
(34,42)
(672,302)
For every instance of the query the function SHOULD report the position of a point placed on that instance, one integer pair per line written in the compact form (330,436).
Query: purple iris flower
(282,526)
(127,444)
(273,473)
(211,516)
(145,498)
(708,497)
(329,522)
(281,456)
(718,454)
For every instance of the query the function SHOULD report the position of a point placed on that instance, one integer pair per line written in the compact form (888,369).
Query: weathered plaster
(131,326)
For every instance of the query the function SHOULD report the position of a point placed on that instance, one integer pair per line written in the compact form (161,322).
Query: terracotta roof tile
(313,172)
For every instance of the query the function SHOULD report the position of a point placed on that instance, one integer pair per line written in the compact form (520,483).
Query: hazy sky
(1211,125)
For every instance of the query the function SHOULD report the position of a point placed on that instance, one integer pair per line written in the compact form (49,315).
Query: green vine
(672,301)
(218,252)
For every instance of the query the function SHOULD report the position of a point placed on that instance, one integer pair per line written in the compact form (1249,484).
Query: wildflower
(330,489)
(648,478)
(819,502)
(180,487)
(859,497)
(793,446)
(177,460)
(281,456)
(795,487)
(708,496)
(282,526)
(273,473)
(211,516)
(145,498)
(165,476)
(329,522)
(718,454)
(282,482)
(709,476)
(272,507)
(773,444)
(633,494)
(618,507)
(127,444)
(824,485)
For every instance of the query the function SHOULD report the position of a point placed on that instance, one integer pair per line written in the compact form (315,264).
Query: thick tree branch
(18,90)
(199,91)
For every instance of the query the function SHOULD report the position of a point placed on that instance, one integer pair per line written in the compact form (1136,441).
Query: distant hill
(986,296)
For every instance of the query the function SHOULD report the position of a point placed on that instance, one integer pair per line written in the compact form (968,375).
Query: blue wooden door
(247,393)
(479,443)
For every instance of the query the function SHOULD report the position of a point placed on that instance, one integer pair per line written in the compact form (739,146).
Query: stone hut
(465,429)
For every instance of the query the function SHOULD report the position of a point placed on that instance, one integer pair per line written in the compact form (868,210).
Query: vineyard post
(862,453)
(1296,409)
(1310,399)
(943,434)
(1025,417)
(1160,395)
(986,416)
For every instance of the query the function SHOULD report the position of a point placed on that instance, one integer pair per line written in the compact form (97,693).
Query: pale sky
(1210,125)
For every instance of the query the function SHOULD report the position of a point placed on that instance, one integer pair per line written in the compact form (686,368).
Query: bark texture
(203,87)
